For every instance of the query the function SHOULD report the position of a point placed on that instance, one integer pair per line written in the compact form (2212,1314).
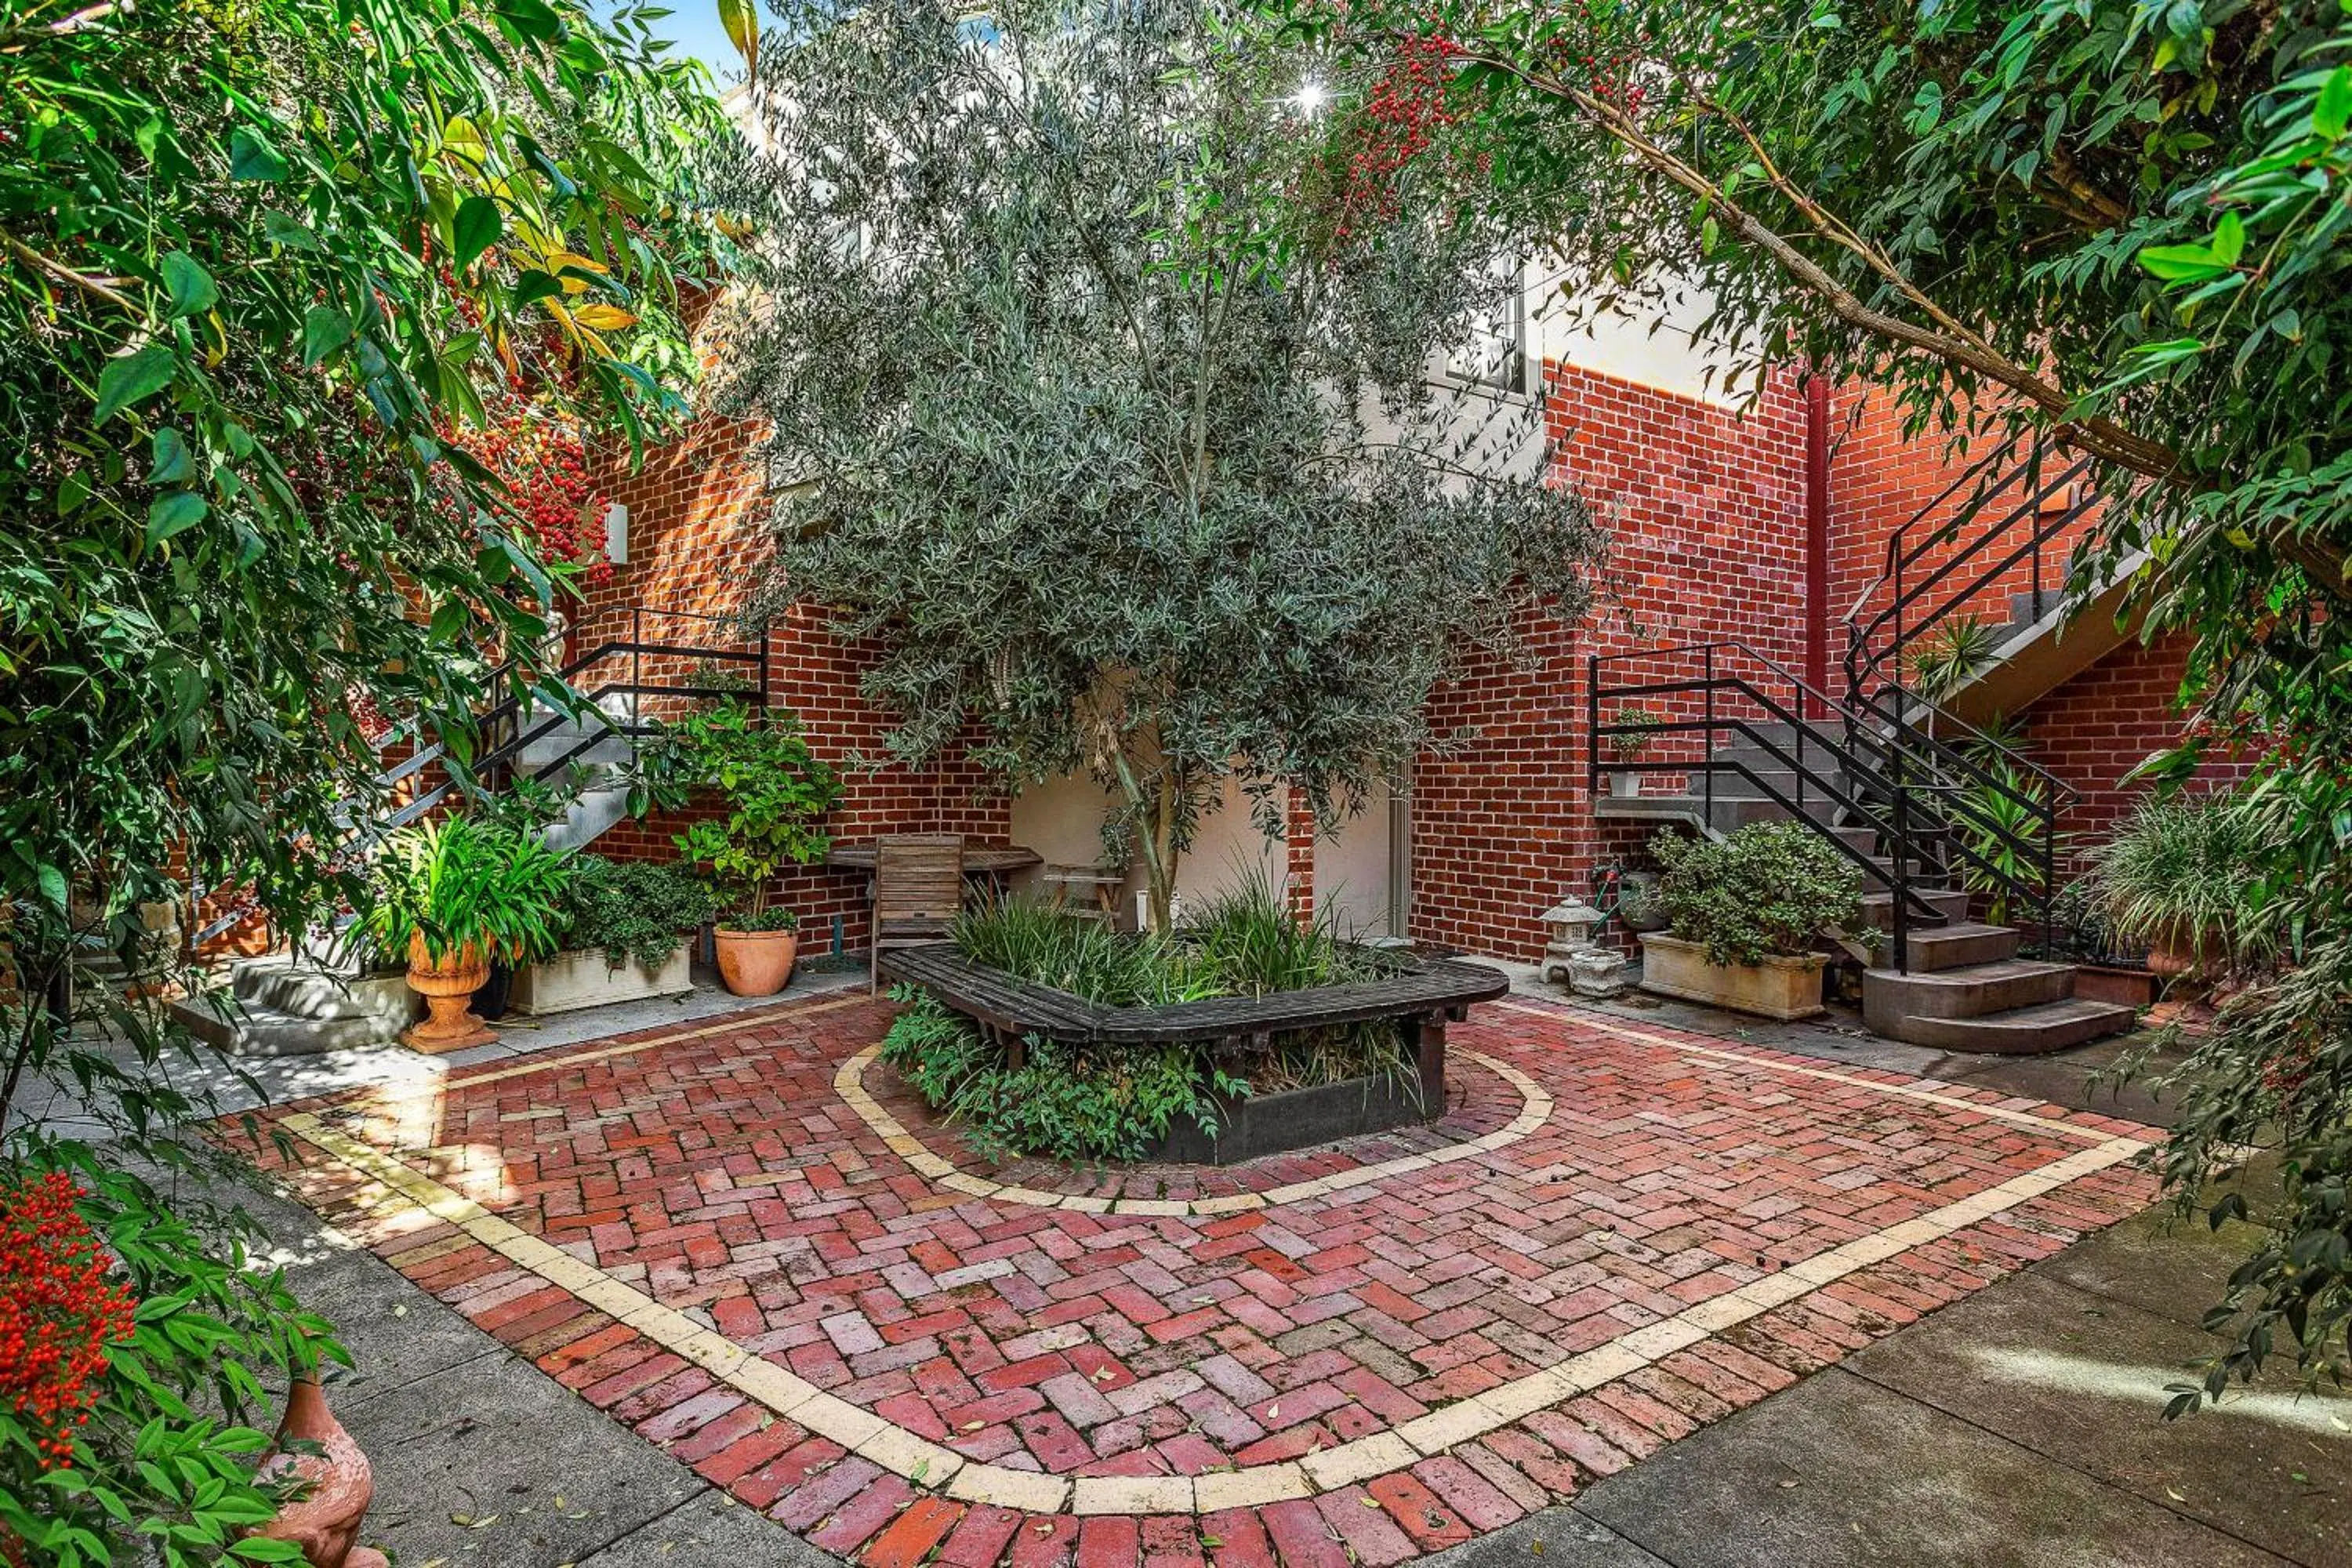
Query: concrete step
(1974,991)
(1878,909)
(254,1029)
(2023,1031)
(557,743)
(588,818)
(1958,946)
(306,989)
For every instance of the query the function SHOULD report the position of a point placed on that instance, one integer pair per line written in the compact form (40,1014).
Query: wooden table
(978,859)
(1100,882)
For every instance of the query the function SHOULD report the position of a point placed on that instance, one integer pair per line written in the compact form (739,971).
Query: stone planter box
(2127,987)
(1297,1118)
(1781,988)
(570,981)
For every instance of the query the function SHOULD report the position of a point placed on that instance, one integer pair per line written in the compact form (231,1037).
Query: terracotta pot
(324,1521)
(2176,952)
(756,962)
(448,990)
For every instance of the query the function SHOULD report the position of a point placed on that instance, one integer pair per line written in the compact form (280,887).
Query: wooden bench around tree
(1422,997)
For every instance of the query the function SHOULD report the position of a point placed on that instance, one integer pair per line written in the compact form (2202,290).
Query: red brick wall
(1880,480)
(1705,510)
(2098,726)
(695,544)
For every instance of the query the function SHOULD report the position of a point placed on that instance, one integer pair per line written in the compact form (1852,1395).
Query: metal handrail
(1919,776)
(509,710)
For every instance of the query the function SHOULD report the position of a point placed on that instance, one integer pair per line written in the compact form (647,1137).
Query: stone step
(588,818)
(1975,991)
(2022,1031)
(1958,946)
(1878,909)
(601,748)
(305,989)
(254,1029)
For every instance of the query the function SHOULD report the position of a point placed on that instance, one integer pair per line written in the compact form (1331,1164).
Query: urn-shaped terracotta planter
(448,990)
(756,962)
(325,1520)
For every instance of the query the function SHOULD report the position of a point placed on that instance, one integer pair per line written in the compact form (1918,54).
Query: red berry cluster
(58,1312)
(545,466)
(1402,117)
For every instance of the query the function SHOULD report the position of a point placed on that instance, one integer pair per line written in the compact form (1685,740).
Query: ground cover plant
(1076,1102)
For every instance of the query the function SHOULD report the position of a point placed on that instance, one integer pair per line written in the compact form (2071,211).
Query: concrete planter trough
(1781,988)
(570,981)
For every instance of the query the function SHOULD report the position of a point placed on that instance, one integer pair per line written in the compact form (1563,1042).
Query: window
(1496,354)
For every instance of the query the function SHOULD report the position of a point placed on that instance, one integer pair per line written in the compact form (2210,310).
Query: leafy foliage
(775,790)
(2177,874)
(159,1468)
(1062,1102)
(634,911)
(1122,463)
(458,885)
(261,267)
(1768,891)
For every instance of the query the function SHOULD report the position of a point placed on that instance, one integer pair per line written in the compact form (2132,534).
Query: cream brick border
(849,1082)
(925,1463)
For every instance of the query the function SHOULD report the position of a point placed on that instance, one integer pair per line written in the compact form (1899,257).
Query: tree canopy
(1100,404)
(265,272)
(2119,220)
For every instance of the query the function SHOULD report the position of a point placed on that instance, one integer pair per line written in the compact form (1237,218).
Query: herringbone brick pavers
(705,1234)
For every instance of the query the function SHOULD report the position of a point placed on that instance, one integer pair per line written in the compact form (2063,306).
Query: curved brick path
(1405,1342)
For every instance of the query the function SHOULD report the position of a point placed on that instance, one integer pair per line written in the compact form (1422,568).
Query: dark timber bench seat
(1423,996)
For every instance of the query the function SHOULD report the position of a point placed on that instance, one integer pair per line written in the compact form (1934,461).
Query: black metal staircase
(1935,813)
(590,711)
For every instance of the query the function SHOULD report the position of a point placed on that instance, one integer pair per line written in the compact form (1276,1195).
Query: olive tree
(1097,407)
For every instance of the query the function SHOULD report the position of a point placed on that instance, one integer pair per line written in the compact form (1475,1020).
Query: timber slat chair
(917,893)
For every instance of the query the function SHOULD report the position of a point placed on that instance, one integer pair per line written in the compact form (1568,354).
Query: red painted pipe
(1817,531)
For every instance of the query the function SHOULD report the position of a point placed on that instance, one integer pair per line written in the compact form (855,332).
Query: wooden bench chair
(917,893)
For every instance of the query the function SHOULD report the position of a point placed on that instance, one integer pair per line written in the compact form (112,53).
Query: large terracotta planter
(448,990)
(325,1520)
(756,962)
(1781,988)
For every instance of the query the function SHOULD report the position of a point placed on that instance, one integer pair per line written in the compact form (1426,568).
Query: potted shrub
(775,792)
(1745,914)
(1640,906)
(627,929)
(2175,876)
(452,895)
(1627,746)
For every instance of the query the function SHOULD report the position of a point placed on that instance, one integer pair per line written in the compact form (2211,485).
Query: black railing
(1931,805)
(2010,514)
(513,723)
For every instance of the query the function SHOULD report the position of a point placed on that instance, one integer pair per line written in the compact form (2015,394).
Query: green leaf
(2332,115)
(2181,263)
(188,284)
(131,379)
(174,512)
(325,329)
(53,886)
(477,227)
(2230,238)
(173,463)
(251,157)
(284,228)
(742,20)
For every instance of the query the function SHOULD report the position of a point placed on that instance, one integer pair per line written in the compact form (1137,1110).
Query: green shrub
(775,789)
(2177,874)
(1765,891)
(633,909)
(461,882)
(1062,1102)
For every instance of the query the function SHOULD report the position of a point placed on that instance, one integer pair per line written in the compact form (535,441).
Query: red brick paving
(722,1174)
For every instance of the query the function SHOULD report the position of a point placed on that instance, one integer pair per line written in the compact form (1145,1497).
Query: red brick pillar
(1301,864)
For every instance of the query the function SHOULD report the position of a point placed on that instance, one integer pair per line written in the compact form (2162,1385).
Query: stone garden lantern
(1590,969)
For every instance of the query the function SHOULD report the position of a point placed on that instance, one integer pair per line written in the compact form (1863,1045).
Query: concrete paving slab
(1840,1472)
(1556,1538)
(713,1530)
(2082,1378)
(2172,1267)
(495,1463)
